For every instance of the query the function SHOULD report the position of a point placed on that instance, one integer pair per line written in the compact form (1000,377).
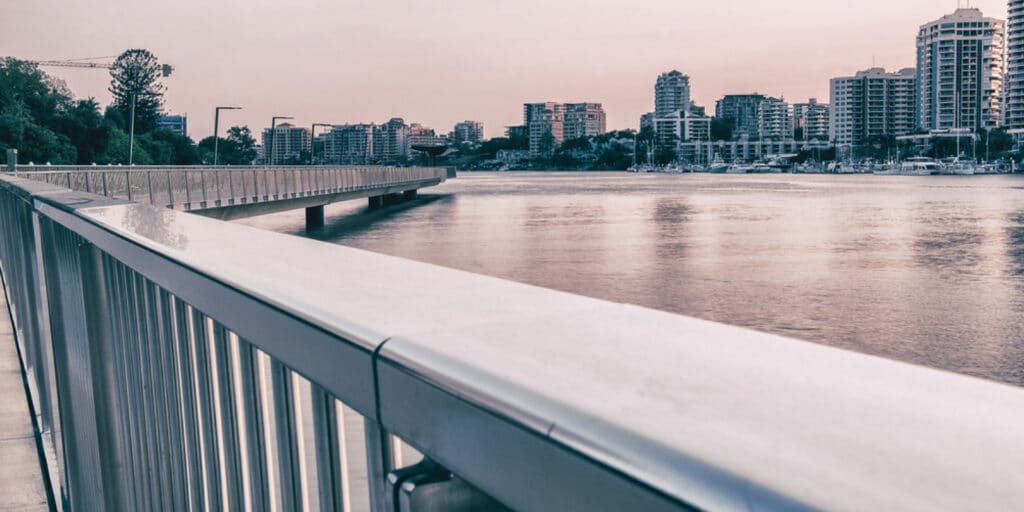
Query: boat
(917,166)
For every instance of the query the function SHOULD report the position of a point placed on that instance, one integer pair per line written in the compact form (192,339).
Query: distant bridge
(231,192)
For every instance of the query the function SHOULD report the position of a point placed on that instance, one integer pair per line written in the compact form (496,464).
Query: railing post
(170,192)
(105,384)
(289,479)
(380,460)
(128,183)
(104,176)
(149,183)
(328,461)
(202,183)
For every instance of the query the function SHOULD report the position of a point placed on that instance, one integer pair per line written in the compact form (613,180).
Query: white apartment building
(391,141)
(541,119)
(872,103)
(681,127)
(350,144)
(671,93)
(960,67)
(1013,88)
(288,144)
(468,131)
(583,120)
(774,119)
(813,118)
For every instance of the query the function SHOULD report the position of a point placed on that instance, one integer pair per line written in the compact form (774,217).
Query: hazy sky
(439,62)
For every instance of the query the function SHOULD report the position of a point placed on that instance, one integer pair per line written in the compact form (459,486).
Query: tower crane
(165,69)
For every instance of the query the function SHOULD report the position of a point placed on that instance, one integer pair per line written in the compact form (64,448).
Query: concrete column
(376,202)
(315,217)
(410,194)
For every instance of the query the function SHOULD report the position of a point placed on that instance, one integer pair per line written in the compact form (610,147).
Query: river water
(928,270)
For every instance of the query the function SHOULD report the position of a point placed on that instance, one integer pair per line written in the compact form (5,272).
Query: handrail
(541,399)
(208,187)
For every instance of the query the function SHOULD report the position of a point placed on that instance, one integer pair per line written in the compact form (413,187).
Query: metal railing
(183,363)
(190,188)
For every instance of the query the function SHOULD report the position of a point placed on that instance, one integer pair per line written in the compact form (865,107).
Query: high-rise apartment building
(468,131)
(960,66)
(774,119)
(671,93)
(583,120)
(288,144)
(742,110)
(1013,88)
(391,141)
(812,119)
(872,103)
(544,119)
(350,144)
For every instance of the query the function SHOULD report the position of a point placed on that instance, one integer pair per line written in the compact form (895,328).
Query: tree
(546,144)
(722,129)
(84,127)
(239,148)
(135,75)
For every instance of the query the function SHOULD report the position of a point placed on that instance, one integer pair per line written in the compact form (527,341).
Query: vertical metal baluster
(122,358)
(188,191)
(289,477)
(328,453)
(252,407)
(277,191)
(104,176)
(141,389)
(128,183)
(171,403)
(202,183)
(204,399)
(379,462)
(228,419)
(158,385)
(190,421)
(113,446)
(149,183)
(216,175)
(255,186)
(231,186)
(170,191)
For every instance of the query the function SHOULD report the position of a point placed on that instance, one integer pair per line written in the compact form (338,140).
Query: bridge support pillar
(410,194)
(315,217)
(376,202)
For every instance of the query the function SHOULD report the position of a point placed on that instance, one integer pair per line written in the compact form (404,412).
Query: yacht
(917,166)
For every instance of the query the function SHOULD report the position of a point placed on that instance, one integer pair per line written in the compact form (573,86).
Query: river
(927,270)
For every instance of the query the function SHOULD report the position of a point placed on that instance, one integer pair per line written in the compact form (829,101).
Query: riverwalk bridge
(153,359)
(231,192)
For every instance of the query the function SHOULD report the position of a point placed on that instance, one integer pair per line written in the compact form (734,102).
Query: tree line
(40,117)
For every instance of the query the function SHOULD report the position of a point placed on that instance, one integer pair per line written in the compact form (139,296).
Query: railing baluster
(379,462)
(289,477)
(205,406)
(227,412)
(167,356)
(253,422)
(190,420)
(328,463)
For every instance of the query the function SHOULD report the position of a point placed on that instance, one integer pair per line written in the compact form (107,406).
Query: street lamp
(273,134)
(216,128)
(312,139)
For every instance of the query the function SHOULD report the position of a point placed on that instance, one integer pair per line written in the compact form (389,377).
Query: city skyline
(439,70)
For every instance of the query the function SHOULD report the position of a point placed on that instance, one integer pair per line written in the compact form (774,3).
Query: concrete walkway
(21,477)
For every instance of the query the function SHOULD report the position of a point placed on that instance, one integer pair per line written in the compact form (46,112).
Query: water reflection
(924,270)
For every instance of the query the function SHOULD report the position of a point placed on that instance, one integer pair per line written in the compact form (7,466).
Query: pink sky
(439,62)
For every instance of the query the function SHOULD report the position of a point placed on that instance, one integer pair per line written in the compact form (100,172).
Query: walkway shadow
(365,219)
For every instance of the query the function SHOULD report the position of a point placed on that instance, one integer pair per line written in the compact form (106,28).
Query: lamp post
(312,141)
(131,134)
(273,135)
(216,128)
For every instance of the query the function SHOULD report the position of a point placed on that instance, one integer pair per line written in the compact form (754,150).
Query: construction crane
(165,69)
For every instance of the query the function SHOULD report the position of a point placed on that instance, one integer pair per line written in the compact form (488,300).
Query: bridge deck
(21,477)
(229,192)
